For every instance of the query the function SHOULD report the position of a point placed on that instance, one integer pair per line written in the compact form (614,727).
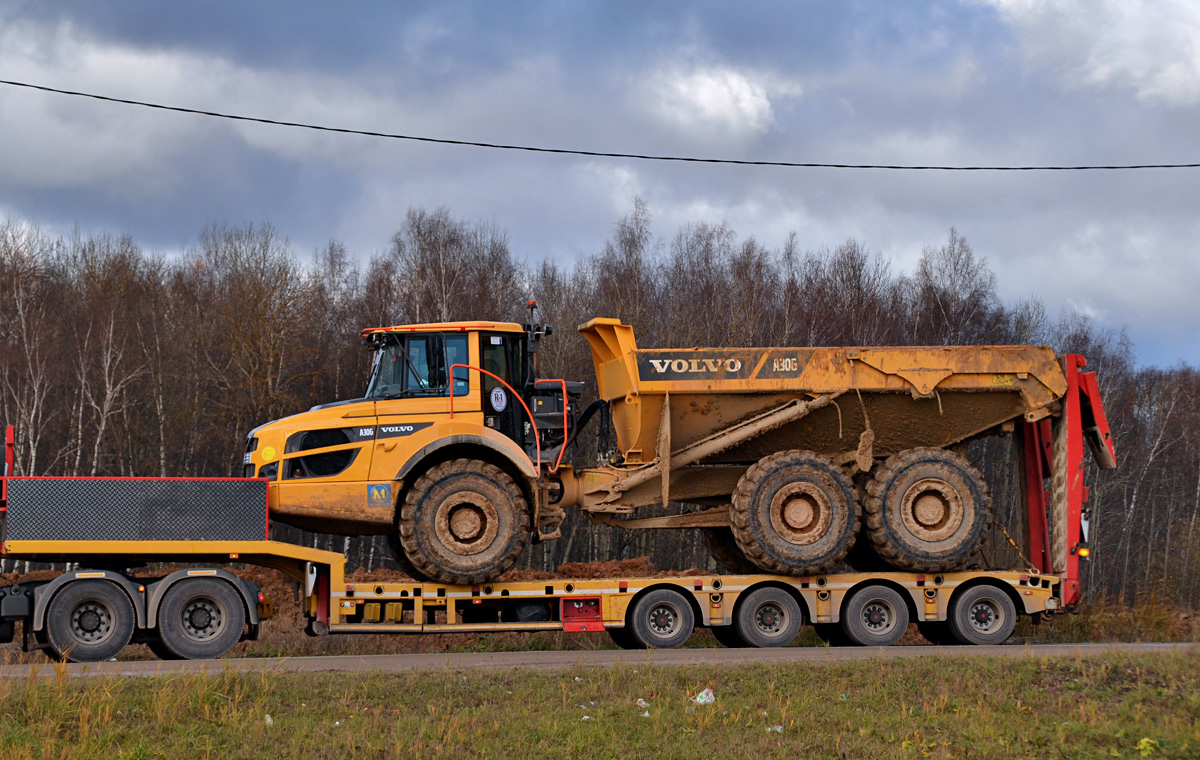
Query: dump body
(863,404)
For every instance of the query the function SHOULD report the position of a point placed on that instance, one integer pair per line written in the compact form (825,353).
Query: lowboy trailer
(112,527)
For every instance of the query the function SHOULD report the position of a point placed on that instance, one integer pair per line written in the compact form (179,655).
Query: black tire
(875,616)
(200,618)
(982,615)
(937,632)
(795,513)
(724,549)
(402,561)
(662,619)
(832,634)
(927,510)
(768,617)
(727,636)
(623,637)
(464,522)
(160,650)
(89,621)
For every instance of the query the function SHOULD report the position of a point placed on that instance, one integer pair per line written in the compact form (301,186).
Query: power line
(592,153)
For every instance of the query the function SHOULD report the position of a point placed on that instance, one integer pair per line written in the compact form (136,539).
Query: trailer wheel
(623,637)
(724,549)
(927,510)
(832,634)
(982,615)
(727,636)
(937,632)
(768,617)
(200,618)
(464,522)
(795,513)
(662,619)
(89,621)
(875,616)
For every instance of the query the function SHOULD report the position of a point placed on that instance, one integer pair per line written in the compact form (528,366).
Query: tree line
(117,361)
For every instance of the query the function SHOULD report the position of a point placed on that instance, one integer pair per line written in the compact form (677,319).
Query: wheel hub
(91,622)
(202,619)
(983,616)
(801,513)
(662,620)
(932,510)
(877,617)
(769,619)
(467,523)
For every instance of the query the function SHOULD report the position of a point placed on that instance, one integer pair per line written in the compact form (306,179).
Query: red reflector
(261,598)
(623,585)
(698,583)
(349,588)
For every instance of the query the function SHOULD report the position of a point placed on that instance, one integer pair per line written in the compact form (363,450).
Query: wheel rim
(771,619)
(467,523)
(986,616)
(932,509)
(801,513)
(91,621)
(203,619)
(664,619)
(878,617)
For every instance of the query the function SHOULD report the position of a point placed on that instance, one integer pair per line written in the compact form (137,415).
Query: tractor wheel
(795,513)
(927,510)
(200,618)
(724,549)
(464,522)
(89,621)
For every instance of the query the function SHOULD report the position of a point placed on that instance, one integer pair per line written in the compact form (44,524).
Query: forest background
(118,361)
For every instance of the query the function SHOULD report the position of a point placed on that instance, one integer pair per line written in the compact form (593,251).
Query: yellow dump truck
(783,457)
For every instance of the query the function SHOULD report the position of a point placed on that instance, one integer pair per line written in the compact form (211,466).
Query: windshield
(418,365)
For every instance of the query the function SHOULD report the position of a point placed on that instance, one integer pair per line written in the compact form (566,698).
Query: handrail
(536,439)
(562,448)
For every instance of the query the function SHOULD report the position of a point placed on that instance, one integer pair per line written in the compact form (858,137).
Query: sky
(976,82)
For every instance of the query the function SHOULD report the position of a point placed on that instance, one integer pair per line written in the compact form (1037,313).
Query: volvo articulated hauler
(111,527)
(783,457)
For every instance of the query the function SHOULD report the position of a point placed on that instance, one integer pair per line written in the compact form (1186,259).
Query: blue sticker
(379,496)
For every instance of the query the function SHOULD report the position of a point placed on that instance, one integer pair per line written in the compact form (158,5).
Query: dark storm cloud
(987,82)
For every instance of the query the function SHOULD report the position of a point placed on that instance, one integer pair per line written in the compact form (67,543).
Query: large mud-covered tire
(795,513)
(402,561)
(927,510)
(724,549)
(464,522)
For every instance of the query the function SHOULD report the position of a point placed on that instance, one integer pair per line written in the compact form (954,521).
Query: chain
(1014,545)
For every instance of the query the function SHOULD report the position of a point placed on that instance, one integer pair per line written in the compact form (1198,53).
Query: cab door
(422,376)
(503,356)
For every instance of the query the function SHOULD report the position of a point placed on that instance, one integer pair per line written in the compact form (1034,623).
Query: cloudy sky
(992,82)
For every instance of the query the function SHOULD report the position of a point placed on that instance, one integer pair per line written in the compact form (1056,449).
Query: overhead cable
(594,153)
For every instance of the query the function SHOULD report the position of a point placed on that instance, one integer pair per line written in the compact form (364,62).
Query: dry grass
(1105,706)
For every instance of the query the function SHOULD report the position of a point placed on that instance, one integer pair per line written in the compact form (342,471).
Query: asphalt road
(559,660)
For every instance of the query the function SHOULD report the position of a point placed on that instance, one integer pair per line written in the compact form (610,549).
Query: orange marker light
(1084,551)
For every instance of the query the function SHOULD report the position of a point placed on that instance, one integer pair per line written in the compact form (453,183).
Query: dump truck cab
(438,394)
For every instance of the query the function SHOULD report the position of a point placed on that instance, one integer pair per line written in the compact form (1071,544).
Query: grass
(1106,706)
